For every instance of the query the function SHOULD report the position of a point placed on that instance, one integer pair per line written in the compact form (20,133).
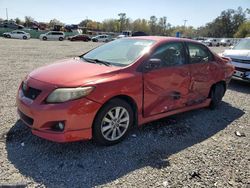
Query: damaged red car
(127,82)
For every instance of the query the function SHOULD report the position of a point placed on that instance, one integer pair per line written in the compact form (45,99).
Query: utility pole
(185,21)
(7,14)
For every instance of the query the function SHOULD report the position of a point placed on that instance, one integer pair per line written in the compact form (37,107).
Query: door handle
(175,95)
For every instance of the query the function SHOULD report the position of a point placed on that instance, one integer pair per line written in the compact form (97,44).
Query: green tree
(18,21)
(111,25)
(153,24)
(141,25)
(54,22)
(28,21)
(224,25)
(162,25)
(84,23)
(122,21)
(243,31)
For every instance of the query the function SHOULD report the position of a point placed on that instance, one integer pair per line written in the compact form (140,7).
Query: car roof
(164,39)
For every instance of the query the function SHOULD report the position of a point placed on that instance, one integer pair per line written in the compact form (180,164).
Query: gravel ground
(193,149)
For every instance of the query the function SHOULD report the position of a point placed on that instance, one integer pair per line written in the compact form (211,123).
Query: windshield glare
(244,44)
(120,52)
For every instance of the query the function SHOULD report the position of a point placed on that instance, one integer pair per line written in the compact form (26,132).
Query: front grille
(241,61)
(241,69)
(25,118)
(30,92)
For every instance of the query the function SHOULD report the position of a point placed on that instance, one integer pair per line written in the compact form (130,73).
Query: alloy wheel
(115,123)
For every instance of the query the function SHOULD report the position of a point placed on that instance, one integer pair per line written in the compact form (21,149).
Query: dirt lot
(193,149)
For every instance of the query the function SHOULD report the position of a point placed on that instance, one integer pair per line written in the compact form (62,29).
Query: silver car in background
(240,55)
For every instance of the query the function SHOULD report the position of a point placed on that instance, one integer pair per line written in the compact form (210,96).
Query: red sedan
(84,38)
(124,83)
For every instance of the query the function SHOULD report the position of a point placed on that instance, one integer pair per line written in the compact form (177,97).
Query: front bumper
(241,72)
(77,115)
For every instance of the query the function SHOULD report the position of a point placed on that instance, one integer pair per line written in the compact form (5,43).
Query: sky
(196,12)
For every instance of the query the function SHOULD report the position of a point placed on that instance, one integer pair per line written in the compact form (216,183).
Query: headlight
(67,94)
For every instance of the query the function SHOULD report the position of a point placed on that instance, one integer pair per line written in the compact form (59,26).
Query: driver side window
(170,54)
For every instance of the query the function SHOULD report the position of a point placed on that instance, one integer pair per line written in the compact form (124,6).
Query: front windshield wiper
(97,61)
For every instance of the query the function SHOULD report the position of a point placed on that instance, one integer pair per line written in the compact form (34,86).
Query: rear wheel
(113,122)
(216,94)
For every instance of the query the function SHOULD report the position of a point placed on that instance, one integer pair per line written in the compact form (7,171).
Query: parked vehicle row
(218,42)
(57,35)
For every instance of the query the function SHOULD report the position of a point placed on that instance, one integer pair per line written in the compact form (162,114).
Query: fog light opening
(59,126)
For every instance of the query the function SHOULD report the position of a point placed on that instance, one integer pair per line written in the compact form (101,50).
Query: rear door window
(198,53)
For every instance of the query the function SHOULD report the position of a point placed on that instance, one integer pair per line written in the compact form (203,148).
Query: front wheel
(60,38)
(216,94)
(113,122)
(24,37)
(44,38)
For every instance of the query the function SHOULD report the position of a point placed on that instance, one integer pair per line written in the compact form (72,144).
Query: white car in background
(53,35)
(101,38)
(212,42)
(226,42)
(17,34)
(240,55)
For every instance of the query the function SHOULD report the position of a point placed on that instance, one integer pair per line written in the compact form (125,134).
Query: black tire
(24,37)
(216,94)
(44,38)
(60,38)
(98,136)
(8,36)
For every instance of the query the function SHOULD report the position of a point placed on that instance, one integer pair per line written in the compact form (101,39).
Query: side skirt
(143,120)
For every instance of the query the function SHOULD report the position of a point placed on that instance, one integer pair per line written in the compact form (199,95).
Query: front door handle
(175,95)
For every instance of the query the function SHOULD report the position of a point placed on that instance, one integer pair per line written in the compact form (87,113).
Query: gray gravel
(193,149)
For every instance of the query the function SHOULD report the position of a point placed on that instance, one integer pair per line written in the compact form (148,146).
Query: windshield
(120,52)
(244,44)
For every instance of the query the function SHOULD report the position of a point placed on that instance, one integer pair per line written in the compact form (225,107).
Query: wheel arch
(223,82)
(127,99)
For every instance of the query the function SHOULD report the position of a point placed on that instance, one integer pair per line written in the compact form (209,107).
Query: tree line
(230,23)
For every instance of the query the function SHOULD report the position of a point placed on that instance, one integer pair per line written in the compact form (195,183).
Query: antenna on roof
(185,21)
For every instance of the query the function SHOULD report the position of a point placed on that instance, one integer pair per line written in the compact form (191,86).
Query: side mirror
(153,63)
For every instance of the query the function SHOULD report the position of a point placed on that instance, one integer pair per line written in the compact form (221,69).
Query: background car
(53,35)
(10,25)
(240,55)
(17,34)
(212,42)
(101,38)
(85,38)
(225,42)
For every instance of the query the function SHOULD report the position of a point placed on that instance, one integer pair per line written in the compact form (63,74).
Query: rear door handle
(175,95)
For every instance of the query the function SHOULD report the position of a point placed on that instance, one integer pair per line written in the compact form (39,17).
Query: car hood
(73,72)
(238,54)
